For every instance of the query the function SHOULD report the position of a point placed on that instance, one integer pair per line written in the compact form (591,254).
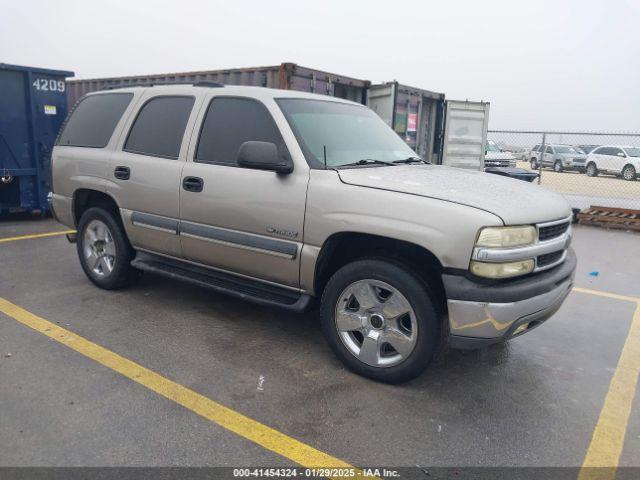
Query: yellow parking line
(609,434)
(600,293)
(36,235)
(233,421)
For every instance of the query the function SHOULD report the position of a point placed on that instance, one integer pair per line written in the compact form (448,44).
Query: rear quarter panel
(74,168)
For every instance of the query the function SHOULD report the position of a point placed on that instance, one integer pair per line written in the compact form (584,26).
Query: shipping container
(465,134)
(414,114)
(33,106)
(287,76)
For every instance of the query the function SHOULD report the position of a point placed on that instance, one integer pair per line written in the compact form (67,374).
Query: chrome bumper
(501,321)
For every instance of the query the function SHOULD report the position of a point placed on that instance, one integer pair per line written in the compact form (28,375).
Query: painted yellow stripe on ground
(233,421)
(600,293)
(608,436)
(36,235)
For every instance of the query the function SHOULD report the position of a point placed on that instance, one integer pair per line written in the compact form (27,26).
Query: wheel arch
(344,247)
(85,198)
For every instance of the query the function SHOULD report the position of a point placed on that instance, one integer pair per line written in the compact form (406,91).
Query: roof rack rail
(151,84)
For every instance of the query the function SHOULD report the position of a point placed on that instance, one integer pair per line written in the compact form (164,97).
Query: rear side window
(231,121)
(617,151)
(94,119)
(607,151)
(159,127)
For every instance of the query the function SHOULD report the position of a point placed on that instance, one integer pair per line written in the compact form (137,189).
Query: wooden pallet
(609,217)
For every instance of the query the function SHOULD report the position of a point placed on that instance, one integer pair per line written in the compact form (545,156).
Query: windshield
(349,133)
(492,147)
(632,151)
(565,149)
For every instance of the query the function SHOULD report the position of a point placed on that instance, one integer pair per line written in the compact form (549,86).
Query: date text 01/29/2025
(314,472)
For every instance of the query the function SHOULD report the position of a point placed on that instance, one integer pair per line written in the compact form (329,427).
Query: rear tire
(592,170)
(104,250)
(629,173)
(379,319)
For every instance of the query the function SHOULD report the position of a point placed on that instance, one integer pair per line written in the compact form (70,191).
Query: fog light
(520,329)
(502,270)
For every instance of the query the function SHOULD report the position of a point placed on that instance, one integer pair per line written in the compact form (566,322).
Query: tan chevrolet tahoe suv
(291,200)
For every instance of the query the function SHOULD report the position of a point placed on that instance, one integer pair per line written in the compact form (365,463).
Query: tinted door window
(94,119)
(549,150)
(228,123)
(536,148)
(606,151)
(159,127)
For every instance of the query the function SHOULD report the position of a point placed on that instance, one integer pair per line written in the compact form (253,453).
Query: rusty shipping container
(287,76)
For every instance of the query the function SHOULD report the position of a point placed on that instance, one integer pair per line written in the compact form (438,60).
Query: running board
(246,289)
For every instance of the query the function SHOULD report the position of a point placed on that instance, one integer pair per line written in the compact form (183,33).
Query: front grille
(549,258)
(552,231)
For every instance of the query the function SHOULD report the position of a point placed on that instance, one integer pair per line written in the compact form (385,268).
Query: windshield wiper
(367,161)
(412,160)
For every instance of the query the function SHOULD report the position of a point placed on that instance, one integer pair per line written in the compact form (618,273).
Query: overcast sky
(542,64)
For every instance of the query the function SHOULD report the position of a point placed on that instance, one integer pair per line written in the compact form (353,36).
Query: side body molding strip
(155,222)
(239,240)
(208,233)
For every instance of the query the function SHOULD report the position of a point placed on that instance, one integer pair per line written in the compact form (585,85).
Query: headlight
(502,270)
(501,237)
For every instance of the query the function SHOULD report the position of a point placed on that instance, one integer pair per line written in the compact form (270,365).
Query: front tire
(534,164)
(629,173)
(557,166)
(380,320)
(104,250)
(592,170)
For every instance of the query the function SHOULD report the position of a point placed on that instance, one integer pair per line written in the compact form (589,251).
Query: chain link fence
(588,168)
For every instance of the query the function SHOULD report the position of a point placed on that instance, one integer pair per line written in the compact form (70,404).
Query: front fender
(447,229)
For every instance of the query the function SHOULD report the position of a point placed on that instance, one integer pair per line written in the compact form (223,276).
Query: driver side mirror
(621,154)
(263,156)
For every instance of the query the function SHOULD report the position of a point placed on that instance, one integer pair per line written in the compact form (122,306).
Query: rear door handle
(122,173)
(192,184)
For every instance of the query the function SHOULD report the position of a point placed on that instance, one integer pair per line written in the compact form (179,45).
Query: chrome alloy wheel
(99,249)
(629,173)
(376,323)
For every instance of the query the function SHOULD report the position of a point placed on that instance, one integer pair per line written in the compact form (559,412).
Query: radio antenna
(324,155)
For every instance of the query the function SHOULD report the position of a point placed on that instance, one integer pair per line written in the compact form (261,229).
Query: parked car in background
(586,148)
(615,160)
(520,154)
(495,157)
(559,157)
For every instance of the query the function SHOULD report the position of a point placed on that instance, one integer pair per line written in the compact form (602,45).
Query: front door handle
(192,184)
(122,173)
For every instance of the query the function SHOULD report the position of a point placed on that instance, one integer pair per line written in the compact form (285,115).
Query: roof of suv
(617,146)
(261,93)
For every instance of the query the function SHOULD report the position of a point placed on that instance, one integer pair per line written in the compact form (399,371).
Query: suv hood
(516,202)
